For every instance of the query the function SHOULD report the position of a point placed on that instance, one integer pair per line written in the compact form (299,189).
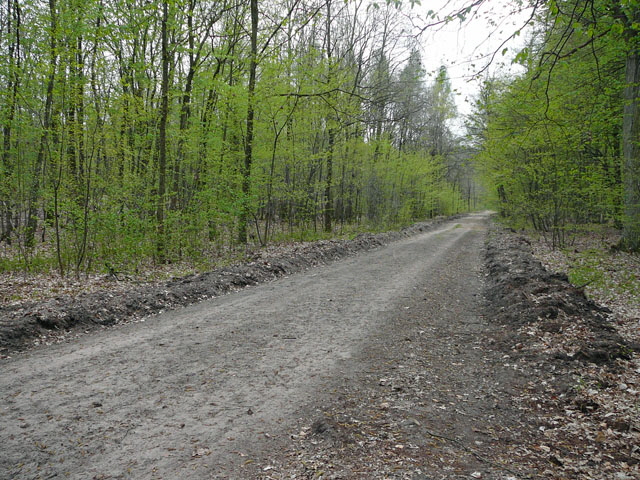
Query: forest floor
(446,351)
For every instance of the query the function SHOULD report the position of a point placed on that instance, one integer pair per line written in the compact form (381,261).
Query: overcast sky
(463,48)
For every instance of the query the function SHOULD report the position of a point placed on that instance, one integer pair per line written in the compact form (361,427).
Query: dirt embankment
(521,292)
(583,377)
(24,324)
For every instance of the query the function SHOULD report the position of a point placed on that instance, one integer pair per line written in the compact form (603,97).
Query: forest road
(208,390)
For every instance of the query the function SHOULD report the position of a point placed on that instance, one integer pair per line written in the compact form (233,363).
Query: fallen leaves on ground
(585,385)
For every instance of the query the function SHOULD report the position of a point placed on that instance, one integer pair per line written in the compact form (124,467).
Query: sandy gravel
(214,390)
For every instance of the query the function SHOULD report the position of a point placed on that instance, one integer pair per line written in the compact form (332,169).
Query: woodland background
(145,132)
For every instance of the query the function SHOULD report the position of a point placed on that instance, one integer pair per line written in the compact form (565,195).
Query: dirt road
(214,390)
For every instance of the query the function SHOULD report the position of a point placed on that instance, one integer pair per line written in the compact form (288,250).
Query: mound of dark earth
(522,295)
(21,325)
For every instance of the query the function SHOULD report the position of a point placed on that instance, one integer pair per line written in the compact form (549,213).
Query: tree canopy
(137,131)
(558,145)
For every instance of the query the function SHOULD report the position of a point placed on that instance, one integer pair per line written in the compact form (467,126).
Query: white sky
(460,47)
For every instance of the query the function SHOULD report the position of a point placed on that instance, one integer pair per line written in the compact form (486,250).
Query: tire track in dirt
(431,398)
(205,389)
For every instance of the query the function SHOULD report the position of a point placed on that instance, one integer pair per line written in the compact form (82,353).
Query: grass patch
(607,274)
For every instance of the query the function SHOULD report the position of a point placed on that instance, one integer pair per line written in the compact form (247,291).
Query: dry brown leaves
(592,429)
(21,287)
(17,288)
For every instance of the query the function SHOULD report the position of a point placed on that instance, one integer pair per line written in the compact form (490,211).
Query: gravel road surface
(214,389)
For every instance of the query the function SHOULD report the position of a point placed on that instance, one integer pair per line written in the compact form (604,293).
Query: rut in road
(195,392)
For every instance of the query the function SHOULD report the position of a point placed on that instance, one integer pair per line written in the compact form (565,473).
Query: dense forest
(141,131)
(156,131)
(558,145)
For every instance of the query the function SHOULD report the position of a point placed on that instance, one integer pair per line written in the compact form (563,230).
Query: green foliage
(344,123)
(550,140)
(606,273)
(560,141)
(587,269)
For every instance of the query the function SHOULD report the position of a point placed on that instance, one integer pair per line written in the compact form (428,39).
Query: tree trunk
(631,149)
(6,160)
(248,145)
(161,248)
(32,209)
(328,199)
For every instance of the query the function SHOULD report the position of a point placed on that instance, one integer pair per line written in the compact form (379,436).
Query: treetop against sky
(472,47)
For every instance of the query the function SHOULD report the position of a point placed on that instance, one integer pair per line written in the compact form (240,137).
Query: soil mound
(523,295)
